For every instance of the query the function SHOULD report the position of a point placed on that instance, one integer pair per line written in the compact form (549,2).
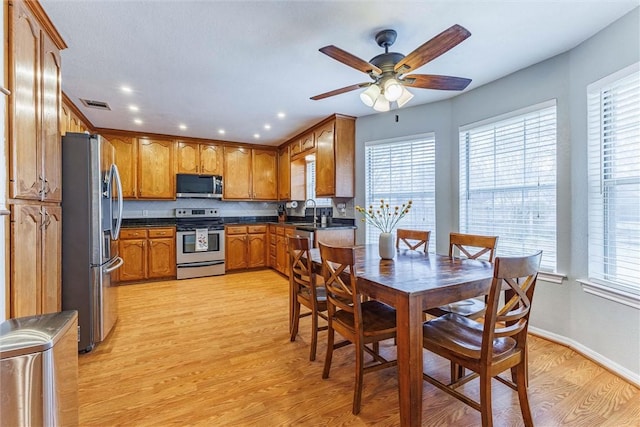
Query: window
(311,183)
(398,171)
(614,180)
(508,181)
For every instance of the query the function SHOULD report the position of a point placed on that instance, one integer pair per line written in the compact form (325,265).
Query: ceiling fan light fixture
(381,104)
(404,97)
(392,89)
(369,95)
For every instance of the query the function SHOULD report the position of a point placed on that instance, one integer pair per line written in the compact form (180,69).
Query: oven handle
(200,264)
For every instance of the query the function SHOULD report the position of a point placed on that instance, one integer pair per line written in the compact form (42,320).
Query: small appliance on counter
(199,243)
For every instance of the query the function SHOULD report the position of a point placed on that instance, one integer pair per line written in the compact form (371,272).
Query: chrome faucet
(306,202)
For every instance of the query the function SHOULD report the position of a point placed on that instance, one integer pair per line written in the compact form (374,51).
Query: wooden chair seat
(377,318)
(495,345)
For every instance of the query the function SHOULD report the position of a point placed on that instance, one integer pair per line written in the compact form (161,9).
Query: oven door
(186,250)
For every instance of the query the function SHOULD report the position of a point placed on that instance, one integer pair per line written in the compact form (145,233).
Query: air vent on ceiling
(100,105)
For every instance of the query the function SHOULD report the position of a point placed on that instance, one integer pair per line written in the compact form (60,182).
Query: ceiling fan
(389,69)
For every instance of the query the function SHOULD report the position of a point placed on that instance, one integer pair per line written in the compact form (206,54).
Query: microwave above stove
(198,186)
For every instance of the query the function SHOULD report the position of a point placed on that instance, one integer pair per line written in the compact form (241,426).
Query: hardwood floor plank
(216,352)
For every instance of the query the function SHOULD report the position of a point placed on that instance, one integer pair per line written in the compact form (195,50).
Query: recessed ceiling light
(137,121)
(281,115)
(182,126)
(267,126)
(221,131)
(126,89)
(256,135)
(134,108)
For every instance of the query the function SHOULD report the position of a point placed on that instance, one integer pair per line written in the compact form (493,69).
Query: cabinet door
(325,162)
(51,256)
(134,255)
(282,254)
(162,258)
(236,251)
(64,119)
(25,170)
(211,159)
(188,158)
(265,173)
(284,174)
(25,260)
(126,154)
(307,142)
(156,176)
(51,101)
(237,179)
(257,250)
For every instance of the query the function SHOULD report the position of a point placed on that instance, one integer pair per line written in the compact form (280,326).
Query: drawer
(162,232)
(236,229)
(272,250)
(272,228)
(272,239)
(133,233)
(257,229)
(290,232)
(280,231)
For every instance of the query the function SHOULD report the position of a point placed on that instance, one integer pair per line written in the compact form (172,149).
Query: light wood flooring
(216,352)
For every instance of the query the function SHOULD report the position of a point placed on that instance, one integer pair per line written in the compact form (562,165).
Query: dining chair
(305,290)
(413,239)
(359,321)
(495,345)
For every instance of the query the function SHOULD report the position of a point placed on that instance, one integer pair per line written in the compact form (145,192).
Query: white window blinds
(508,181)
(614,180)
(398,171)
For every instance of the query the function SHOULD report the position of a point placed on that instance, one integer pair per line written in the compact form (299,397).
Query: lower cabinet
(148,253)
(245,246)
(279,249)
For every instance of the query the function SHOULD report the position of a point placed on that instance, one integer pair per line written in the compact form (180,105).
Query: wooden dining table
(412,282)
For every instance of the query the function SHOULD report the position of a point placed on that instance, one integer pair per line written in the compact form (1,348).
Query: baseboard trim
(606,363)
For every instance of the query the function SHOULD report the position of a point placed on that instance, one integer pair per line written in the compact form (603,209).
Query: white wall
(606,330)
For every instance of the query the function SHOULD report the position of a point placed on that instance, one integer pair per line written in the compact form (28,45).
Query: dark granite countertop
(299,223)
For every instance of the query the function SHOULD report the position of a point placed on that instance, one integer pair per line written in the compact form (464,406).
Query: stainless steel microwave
(198,186)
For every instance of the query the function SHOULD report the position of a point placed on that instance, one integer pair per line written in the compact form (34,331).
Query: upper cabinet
(250,174)
(156,174)
(199,158)
(284,174)
(34,104)
(69,119)
(335,158)
(126,155)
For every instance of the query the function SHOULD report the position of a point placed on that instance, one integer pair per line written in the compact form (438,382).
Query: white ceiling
(236,64)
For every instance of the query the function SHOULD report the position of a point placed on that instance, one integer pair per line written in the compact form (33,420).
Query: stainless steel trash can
(39,370)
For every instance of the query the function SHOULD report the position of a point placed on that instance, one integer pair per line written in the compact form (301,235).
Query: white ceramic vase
(386,246)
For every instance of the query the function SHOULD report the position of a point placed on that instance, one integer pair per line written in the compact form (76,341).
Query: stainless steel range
(199,243)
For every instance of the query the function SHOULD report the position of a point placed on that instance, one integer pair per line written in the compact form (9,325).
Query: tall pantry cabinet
(35,190)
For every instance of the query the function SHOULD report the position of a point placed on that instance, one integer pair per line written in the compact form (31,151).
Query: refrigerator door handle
(115,176)
(114,265)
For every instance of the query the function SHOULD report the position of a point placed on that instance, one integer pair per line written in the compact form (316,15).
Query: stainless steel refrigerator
(91,219)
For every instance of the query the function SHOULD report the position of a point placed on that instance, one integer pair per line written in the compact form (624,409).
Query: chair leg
(327,360)
(357,393)
(485,400)
(457,372)
(295,320)
(314,335)
(521,382)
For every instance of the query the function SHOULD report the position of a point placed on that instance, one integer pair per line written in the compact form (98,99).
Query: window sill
(612,294)
(551,277)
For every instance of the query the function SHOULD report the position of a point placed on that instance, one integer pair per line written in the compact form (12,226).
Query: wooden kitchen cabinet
(36,235)
(199,158)
(282,234)
(69,120)
(156,176)
(245,246)
(126,155)
(335,158)
(284,174)
(250,174)
(148,253)
(34,104)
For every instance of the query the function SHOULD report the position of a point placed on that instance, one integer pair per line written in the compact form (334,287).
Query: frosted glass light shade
(404,97)
(369,96)
(381,104)
(392,90)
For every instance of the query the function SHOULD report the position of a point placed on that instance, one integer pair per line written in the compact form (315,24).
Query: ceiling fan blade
(339,91)
(435,47)
(431,81)
(350,60)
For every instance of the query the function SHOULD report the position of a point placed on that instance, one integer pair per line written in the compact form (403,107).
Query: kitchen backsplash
(166,209)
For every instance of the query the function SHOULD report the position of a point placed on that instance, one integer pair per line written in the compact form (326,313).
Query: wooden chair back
(300,268)
(473,246)
(341,288)
(516,277)
(413,238)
